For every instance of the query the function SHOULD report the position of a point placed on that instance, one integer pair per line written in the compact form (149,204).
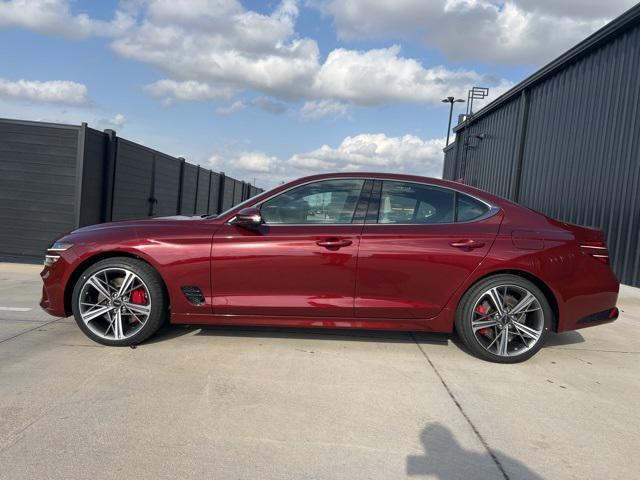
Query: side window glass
(406,202)
(328,201)
(468,208)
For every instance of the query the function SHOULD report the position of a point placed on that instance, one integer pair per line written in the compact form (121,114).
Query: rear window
(414,203)
(404,203)
(468,208)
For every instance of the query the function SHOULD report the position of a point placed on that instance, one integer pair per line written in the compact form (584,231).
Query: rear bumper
(604,316)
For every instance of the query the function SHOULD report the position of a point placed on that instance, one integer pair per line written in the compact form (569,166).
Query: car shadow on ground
(445,459)
(169,332)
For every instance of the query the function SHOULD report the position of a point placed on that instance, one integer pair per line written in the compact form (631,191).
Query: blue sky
(270,90)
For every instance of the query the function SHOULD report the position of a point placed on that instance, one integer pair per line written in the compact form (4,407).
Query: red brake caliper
(138,296)
(482,311)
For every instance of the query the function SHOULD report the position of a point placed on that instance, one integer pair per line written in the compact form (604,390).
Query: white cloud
(247,162)
(269,105)
(55,17)
(375,152)
(324,108)
(266,170)
(266,104)
(216,49)
(170,91)
(222,48)
(53,91)
(116,122)
(236,106)
(503,31)
(378,76)
(365,152)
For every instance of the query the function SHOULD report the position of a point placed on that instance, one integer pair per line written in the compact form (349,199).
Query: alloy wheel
(114,303)
(507,320)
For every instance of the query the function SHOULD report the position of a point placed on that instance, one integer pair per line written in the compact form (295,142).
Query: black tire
(158,299)
(464,317)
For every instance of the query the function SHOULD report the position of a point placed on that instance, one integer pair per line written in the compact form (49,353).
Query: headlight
(49,259)
(60,247)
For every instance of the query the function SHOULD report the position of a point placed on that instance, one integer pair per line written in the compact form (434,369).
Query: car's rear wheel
(119,301)
(504,319)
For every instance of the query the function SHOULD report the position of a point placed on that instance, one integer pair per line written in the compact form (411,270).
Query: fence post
(221,193)
(195,197)
(152,190)
(179,207)
(209,194)
(82,135)
(109,179)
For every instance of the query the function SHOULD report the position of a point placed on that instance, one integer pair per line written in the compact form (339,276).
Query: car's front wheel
(119,301)
(504,319)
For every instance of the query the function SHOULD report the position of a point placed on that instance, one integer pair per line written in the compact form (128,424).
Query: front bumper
(53,282)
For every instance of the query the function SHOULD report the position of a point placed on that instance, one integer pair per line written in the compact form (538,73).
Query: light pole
(450,100)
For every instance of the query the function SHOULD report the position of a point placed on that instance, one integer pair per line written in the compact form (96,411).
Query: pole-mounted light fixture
(451,101)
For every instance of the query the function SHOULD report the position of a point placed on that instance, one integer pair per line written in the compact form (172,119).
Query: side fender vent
(193,294)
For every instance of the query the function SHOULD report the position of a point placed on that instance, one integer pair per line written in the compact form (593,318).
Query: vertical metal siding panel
(227,201)
(489,163)
(132,189)
(166,185)
(213,193)
(203,192)
(37,185)
(448,172)
(237,192)
(189,186)
(92,177)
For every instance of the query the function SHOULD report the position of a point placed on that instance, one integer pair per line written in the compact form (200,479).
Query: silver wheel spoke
(95,283)
(528,331)
(129,278)
(484,324)
(95,313)
(496,299)
(135,308)
(117,325)
(497,337)
(523,304)
(503,346)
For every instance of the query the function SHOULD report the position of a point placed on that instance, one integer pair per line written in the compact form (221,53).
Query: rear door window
(414,203)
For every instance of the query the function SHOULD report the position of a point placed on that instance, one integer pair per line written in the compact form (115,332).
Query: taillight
(597,250)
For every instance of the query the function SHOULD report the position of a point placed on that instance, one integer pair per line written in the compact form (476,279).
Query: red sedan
(348,250)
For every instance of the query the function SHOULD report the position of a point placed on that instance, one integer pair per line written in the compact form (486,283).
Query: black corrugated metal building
(566,141)
(54,178)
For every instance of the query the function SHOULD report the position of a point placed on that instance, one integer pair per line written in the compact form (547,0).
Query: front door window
(327,202)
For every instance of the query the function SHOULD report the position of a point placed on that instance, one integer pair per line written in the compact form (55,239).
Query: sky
(268,91)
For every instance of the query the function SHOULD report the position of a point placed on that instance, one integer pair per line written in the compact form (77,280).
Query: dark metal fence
(54,178)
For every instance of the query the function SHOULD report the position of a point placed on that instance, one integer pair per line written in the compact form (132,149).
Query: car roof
(410,178)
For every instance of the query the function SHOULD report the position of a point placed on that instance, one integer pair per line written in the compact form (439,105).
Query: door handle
(334,243)
(467,244)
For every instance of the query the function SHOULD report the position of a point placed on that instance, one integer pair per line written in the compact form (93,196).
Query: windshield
(241,204)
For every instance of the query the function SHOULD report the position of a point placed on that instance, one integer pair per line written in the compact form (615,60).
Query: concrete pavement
(269,404)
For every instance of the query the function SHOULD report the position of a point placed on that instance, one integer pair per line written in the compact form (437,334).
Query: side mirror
(248,218)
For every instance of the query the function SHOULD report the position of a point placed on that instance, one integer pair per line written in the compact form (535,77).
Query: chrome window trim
(492,209)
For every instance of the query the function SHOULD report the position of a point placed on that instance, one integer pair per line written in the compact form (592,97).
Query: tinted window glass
(469,208)
(329,201)
(402,202)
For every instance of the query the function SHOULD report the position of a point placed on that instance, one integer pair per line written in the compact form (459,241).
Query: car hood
(177,220)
